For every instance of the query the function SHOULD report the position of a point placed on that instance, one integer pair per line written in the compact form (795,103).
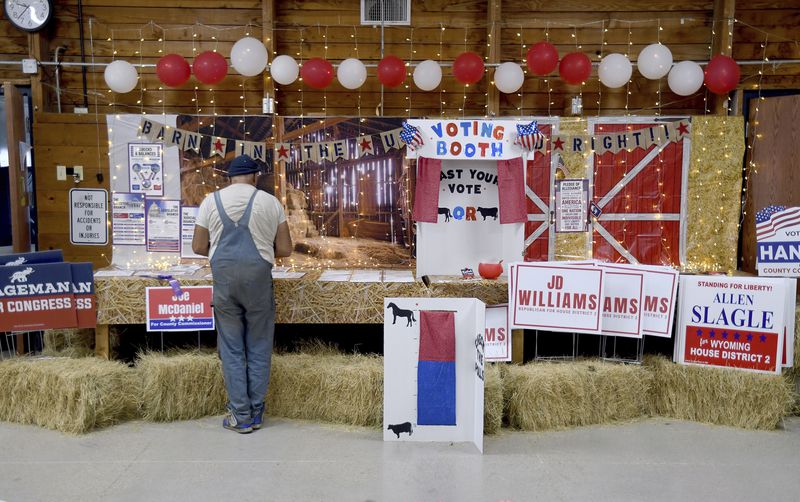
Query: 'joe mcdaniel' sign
(468,139)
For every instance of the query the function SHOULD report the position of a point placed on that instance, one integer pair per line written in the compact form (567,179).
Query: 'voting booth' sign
(734,322)
(189,311)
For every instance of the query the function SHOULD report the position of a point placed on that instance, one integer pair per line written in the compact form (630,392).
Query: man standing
(242,230)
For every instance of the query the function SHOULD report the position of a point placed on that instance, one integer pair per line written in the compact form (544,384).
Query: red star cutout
(365,145)
(683,129)
(283,152)
(218,145)
(558,144)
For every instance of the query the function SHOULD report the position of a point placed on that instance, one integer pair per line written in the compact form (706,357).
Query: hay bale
(180,386)
(338,388)
(492,399)
(542,396)
(68,395)
(75,343)
(718,396)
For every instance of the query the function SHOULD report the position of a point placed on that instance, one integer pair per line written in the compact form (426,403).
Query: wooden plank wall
(70,140)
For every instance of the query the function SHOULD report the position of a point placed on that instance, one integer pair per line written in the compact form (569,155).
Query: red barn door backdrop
(641,194)
(539,189)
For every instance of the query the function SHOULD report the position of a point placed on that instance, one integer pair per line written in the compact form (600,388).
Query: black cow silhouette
(398,428)
(446,212)
(488,211)
(398,312)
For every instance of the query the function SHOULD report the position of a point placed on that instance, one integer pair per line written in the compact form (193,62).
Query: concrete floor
(656,459)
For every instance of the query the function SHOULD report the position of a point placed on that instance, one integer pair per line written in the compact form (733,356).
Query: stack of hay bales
(543,396)
(68,395)
(719,396)
(68,343)
(493,398)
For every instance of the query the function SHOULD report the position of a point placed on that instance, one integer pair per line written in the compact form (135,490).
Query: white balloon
(615,70)
(284,69)
(249,56)
(351,73)
(121,76)
(428,75)
(685,78)
(509,77)
(654,61)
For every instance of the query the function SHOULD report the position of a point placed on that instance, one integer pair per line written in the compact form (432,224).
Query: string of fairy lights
(205,35)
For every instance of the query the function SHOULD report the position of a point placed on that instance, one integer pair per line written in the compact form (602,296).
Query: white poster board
(467,139)
(497,335)
(468,230)
(778,241)
(553,297)
(88,216)
(401,334)
(732,322)
(622,303)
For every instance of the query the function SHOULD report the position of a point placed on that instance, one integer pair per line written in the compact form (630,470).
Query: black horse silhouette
(398,312)
(446,212)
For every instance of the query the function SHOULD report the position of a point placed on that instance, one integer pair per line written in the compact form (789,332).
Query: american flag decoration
(773,218)
(528,135)
(411,136)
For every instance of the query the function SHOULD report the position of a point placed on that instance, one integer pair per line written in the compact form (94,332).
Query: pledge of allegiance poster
(734,322)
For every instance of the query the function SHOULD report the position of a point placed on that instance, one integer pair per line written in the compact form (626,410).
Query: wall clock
(28,15)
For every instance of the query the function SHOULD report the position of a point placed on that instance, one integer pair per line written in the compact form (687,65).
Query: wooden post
(37,49)
(722,43)
(268,37)
(517,346)
(279,166)
(17,177)
(493,41)
(101,342)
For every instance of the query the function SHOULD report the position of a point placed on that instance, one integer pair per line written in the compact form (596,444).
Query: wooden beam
(279,166)
(493,40)
(37,49)
(101,341)
(17,177)
(722,42)
(268,37)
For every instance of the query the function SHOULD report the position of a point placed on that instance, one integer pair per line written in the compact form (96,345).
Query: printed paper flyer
(127,220)
(163,225)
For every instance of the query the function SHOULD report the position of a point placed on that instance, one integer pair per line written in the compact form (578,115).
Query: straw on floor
(718,396)
(543,396)
(69,395)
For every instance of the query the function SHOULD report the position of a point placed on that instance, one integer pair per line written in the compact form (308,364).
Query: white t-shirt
(265,217)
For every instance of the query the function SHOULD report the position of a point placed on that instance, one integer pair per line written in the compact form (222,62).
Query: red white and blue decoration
(411,136)
(528,136)
(778,238)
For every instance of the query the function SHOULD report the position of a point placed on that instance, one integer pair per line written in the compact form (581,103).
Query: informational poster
(732,322)
(127,219)
(163,225)
(403,353)
(497,335)
(658,299)
(88,216)
(146,169)
(778,237)
(190,311)
(552,297)
(468,230)
(188,218)
(622,303)
(572,205)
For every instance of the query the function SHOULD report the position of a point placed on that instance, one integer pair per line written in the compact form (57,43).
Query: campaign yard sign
(552,297)
(778,239)
(622,303)
(46,296)
(732,322)
(190,311)
(659,296)
(497,337)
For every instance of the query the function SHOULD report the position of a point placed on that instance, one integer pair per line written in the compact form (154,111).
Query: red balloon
(468,67)
(722,74)
(575,68)
(391,71)
(317,73)
(210,67)
(173,70)
(542,58)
